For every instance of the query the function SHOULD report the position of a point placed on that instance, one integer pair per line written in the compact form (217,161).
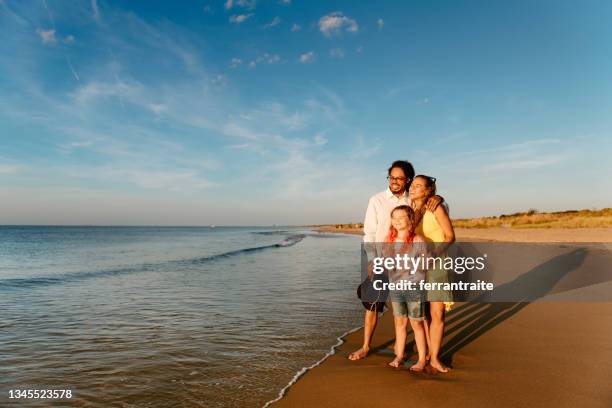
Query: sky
(253,112)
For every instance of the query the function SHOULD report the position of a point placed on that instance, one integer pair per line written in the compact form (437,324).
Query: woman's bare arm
(447,228)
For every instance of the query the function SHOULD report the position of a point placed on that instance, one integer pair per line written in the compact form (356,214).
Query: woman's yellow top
(431,231)
(429,228)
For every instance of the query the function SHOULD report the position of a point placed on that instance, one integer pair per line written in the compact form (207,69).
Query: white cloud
(333,23)
(320,139)
(295,27)
(274,59)
(524,164)
(285,2)
(248,4)
(235,62)
(381,23)
(307,57)
(47,36)
(242,132)
(240,18)
(275,21)
(95,90)
(173,180)
(219,80)
(157,108)
(8,169)
(95,9)
(69,39)
(265,58)
(336,53)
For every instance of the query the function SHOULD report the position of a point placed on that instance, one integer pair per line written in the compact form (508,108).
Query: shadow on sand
(469,321)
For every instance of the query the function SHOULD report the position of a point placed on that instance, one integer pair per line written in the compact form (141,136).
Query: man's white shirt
(378,215)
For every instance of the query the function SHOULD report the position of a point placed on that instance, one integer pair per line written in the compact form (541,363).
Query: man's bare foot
(359,354)
(419,366)
(397,362)
(436,364)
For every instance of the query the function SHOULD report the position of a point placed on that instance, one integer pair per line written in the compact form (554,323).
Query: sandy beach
(506,355)
(512,234)
(545,354)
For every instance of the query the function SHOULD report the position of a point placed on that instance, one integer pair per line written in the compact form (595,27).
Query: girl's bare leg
(418,327)
(401,324)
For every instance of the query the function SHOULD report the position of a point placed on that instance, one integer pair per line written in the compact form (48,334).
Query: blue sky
(289,112)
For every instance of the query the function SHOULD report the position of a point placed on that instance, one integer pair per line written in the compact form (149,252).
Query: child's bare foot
(419,366)
(438,366)
(397,362)
(359,354)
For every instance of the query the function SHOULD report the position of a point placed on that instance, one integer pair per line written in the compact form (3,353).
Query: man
(376,227)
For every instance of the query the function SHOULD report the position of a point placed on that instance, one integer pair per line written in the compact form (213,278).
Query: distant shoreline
(507,234)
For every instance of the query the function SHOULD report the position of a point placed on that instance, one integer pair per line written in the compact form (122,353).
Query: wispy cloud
(308,57)
(380,23)
(334,23)
(336,53)
(147,178)
(235,62)
(240,18)
(95,10)
(526,155)
(295,27)
(275,21)
(74,73)
(248,4)
(524,164)
(47,36)
(8,168)
(364,148)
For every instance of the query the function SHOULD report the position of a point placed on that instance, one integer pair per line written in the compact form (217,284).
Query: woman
(436,228)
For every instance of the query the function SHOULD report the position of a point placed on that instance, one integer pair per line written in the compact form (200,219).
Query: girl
(407,304)
(436,228)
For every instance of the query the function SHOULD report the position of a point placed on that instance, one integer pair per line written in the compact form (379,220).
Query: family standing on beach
(406,216)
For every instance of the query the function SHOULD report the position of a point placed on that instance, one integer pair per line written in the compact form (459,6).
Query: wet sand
(545,354)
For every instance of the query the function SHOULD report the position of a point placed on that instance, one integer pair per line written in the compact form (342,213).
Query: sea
(170,316)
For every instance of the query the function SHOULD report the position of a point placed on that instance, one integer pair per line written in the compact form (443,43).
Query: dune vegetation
(535,219)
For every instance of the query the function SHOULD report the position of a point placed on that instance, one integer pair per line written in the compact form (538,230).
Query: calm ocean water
(166,317)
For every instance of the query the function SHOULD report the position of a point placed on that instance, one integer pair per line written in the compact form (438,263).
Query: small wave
(17,283)
(304,370)
(277,232)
